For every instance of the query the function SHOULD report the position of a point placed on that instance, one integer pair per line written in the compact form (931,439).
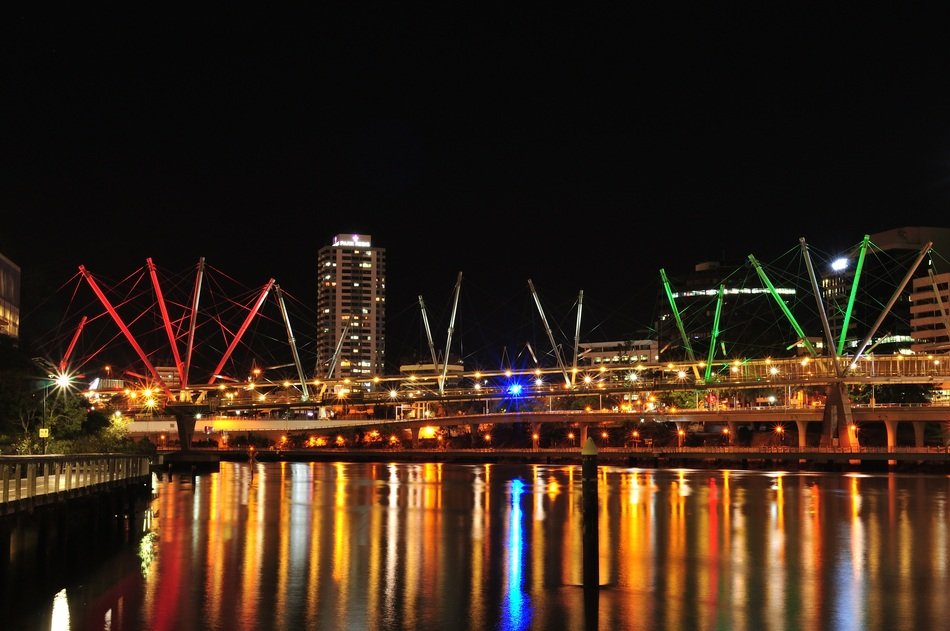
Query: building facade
(930,314)
(9,299)
(748,325)
(351,310)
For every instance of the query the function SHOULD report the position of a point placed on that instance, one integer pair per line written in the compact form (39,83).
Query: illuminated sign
(352,241)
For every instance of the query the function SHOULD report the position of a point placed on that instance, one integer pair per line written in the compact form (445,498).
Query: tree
(17,381)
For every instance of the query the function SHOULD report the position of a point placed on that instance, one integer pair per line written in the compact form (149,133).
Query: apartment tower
(351,310)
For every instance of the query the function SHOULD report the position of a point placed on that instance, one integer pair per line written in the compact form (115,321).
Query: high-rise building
(351,310)
(9,298)
(930,313)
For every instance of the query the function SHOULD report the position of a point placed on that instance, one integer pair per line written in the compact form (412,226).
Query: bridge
(814,387)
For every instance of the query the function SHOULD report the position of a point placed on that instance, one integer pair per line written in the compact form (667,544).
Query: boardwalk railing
(28,481)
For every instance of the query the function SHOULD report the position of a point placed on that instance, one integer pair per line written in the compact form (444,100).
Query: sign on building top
(352,241)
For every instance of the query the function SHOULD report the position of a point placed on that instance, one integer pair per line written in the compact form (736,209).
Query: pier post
(591,539)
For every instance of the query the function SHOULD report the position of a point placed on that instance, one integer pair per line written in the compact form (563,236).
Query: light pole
(44,431)
(61,381)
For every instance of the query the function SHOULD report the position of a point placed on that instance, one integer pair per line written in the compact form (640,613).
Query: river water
(454,547)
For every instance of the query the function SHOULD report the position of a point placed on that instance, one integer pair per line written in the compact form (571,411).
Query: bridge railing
(24,479)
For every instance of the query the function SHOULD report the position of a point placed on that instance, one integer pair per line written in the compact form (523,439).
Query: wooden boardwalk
(27,482)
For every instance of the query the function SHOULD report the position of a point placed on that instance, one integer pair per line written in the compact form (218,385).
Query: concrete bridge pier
(802,427)
(535,435)
(473,433)
(838,419)
(414,433)
(583,430)
(891,427)
(918,433)
(731,436)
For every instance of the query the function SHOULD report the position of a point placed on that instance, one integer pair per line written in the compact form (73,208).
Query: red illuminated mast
(125,330)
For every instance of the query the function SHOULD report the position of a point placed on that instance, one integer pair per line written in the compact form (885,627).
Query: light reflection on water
(452,546)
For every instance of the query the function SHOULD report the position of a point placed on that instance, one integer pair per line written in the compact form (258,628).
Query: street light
(61,381)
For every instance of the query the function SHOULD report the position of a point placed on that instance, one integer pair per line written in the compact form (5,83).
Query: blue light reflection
(517,607)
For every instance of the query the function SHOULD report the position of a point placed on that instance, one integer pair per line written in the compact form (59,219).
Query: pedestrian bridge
(793,422)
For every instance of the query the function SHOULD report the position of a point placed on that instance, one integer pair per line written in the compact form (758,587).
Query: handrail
(26,478)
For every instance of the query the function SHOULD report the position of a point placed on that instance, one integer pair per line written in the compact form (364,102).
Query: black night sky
(581,149)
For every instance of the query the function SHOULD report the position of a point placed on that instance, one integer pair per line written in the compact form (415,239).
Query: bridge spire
(890,303)
(125,330)
(577,334)
(425,323)
(714,335)
(448,341)
(854,294)
(781,304)
(304,392)
(557,352)
(829,338)
(179,367)
(193,319)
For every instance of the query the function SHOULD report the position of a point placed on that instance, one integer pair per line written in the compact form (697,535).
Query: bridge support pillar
(835,430)
(583,429)
(891,427)
(731,435)
(535,435)
(802,427)
(414,432)
(918,433)
(473,432)
(185,414)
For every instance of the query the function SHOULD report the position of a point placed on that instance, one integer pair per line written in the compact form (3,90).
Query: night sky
(582,150)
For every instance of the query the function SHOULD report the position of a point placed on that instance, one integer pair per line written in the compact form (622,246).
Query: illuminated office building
(351,310)
(9,298)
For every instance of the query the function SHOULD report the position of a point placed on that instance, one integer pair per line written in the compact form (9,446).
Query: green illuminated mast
(676,315)
(854,292)
(781,304)
(890,303)
(714,335)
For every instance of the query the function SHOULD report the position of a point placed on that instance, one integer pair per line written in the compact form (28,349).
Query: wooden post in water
(591,545)
(589,486)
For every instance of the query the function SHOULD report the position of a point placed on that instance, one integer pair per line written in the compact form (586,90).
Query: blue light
(517,612)
(514,389)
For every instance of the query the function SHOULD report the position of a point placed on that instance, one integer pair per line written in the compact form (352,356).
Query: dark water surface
(455,547)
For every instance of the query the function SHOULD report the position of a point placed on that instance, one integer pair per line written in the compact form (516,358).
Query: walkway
(30,481)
